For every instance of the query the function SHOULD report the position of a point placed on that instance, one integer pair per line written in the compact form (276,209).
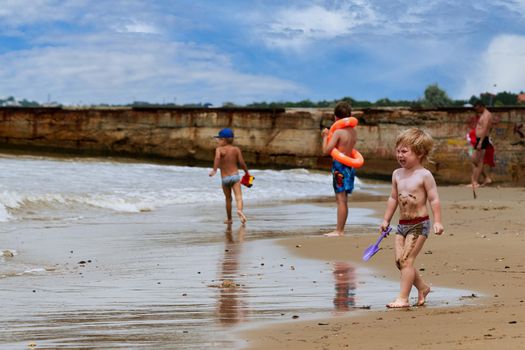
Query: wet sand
(169,278)
(157,280)
(481,250)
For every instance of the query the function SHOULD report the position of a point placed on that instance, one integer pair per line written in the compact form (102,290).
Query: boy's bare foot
(228,222)
(334,234)
(487,182)
(422,295)
(398,304)
(242,217)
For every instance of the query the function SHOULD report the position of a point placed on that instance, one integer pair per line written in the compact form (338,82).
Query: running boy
(228,158)
(412,187)
(343,176)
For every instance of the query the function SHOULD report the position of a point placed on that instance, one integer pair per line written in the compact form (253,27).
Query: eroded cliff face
(268,138)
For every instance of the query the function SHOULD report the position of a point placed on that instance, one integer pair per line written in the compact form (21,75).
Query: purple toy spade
(374,248)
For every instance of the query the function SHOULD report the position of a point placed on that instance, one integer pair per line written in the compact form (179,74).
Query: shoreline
(480,250)
(142,275)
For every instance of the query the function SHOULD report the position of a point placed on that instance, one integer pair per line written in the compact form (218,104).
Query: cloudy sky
(241,51)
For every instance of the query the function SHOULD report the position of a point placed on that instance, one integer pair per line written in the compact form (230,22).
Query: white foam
(31,271)
(33,185)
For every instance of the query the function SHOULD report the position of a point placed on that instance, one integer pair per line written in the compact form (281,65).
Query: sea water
(36,188)
(99,253)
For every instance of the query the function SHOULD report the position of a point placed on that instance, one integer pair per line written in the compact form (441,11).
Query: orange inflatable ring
(355,159)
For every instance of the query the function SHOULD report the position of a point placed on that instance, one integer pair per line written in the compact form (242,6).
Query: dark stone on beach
(469,296)
(422,269)
(81,262)
(34,290)
(295,317)
(513,322)
(322,324)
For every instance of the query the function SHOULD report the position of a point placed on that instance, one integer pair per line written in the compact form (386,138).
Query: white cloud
(296,27)
(135,26)
(22,12)
(124,68)
(132,16)
(517,6)
(502,64)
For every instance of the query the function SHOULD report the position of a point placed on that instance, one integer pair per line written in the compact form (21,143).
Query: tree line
(433,97)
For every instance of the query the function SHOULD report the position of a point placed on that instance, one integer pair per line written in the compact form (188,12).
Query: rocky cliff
(268,138)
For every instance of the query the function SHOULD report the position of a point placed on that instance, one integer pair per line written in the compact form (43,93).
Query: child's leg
(477,167)
(485,172)
(341,199)
(228,197)
(407,250)
(238,201)
(422,290)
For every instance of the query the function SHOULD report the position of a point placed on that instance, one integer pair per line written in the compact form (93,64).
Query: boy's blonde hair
(419,141)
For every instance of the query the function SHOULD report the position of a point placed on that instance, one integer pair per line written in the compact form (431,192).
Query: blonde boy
(228,158)
(412,187)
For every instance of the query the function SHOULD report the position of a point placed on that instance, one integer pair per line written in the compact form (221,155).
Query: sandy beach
(94,263)
(481,250)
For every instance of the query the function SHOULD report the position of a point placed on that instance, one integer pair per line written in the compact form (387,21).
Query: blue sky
(241,51)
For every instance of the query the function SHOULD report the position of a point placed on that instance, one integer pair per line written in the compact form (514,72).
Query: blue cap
(225,133)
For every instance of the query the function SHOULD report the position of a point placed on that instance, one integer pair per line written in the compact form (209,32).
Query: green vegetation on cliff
(433,97)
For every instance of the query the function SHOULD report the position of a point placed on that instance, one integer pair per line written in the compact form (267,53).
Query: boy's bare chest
(410,186)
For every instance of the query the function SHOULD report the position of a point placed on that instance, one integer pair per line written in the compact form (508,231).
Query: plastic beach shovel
(374,248)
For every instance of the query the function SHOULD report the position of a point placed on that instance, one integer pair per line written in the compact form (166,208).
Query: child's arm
(242,164)
(435,204)
(216,162)
(391,205)
(329,146)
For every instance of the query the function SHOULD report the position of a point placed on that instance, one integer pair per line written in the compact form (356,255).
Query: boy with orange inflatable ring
(339,141)
(355,159)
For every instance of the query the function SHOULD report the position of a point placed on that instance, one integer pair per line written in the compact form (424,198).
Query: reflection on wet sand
(345,284)
(230,306)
